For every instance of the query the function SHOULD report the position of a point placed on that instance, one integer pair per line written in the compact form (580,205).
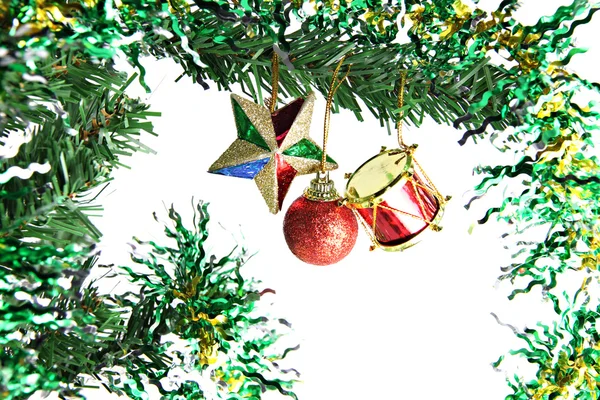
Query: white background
(411,325)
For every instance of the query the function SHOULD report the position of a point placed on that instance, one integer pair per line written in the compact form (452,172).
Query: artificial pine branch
(373,79)
(450,78)
(97,126)
(232,43)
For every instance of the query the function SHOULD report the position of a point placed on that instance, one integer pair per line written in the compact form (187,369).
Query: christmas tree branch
(96,126)
(230,43)
(373,79)
(55,86)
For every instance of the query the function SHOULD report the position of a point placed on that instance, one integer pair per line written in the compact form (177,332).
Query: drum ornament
(392,196)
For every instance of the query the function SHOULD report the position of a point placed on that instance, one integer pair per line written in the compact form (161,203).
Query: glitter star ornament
(272,149)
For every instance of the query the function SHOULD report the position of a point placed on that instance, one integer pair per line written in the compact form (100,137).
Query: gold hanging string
(335,84)
(400,105)
(436,192)
(274,81)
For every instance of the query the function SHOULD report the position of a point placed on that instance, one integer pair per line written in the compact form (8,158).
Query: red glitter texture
(319,232)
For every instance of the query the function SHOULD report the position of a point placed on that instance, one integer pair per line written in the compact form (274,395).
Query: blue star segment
(272,149)
(248,170)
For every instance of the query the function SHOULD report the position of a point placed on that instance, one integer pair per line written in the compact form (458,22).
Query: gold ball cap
(321,189)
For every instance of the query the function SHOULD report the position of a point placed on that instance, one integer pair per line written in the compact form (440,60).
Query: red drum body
(394,199)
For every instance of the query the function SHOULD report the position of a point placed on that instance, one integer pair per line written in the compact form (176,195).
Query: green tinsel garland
(56,335)
(449,78)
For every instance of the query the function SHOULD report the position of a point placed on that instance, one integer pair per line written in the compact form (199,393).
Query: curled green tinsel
(205,301)
(49,49)
(566,353)
(34,281)
(194,330)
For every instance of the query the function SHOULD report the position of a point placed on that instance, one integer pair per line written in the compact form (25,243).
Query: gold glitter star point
(273,148)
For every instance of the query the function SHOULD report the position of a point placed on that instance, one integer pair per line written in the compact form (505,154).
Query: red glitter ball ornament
(316,228)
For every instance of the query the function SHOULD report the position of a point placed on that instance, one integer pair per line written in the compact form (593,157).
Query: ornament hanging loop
(411,149)
(335,85)
(272,104)
(400,105)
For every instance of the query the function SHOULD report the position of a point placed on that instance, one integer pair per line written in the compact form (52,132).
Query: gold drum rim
(376,198)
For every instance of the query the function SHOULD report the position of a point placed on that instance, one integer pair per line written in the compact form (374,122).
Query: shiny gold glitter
(260,118)
(243,151)
(240,152)
(308,166)
(266,180)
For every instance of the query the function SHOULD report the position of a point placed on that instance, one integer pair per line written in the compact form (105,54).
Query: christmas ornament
(393,197)
(272,146)
(317,227)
